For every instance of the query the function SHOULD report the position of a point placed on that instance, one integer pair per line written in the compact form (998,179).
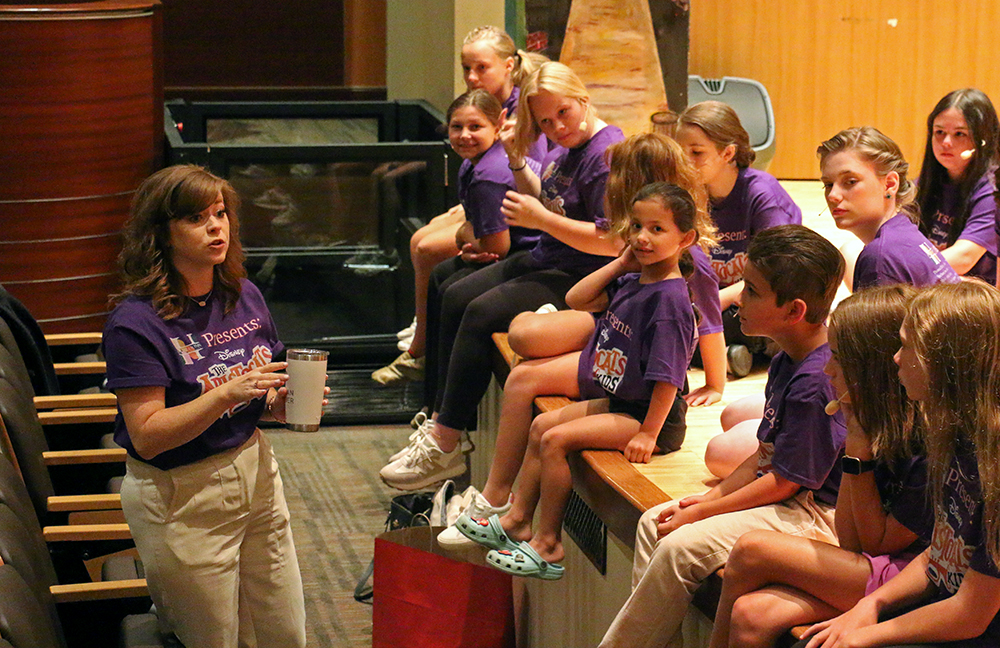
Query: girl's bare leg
(748,407)
(740,420)
(775,581)
(726,451)
(429,246)
(517,521)
(545,376)
(596,430)
(534,335)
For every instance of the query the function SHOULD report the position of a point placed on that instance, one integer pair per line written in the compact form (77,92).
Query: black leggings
(472,310)
(442,277)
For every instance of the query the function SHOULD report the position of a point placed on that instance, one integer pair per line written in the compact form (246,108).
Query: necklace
(203,300)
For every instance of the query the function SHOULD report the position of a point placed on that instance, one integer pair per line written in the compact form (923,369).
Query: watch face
(855,466)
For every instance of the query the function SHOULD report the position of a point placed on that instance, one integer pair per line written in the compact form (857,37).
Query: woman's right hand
(255,384)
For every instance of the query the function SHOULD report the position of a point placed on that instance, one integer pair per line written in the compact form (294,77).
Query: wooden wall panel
(828,66)
(82,119)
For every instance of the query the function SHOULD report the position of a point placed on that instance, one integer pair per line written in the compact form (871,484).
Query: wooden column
(82,114)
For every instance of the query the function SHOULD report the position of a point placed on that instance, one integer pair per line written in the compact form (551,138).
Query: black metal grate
(588,531)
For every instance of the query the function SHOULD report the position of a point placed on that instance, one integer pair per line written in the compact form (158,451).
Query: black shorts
(674,428)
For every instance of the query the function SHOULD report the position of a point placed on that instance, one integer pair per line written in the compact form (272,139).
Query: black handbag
(407,510)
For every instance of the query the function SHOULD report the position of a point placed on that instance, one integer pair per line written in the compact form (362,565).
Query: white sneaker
(479,509)
(423,465)
(408,331)
(424,425)
(416,437)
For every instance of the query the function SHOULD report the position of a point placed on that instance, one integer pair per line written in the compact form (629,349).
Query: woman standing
(189,349)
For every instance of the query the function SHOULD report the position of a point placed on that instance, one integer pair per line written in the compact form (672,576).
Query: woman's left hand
(277,405)
(523,210)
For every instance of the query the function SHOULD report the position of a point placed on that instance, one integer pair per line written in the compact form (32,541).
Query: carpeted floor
(338,505)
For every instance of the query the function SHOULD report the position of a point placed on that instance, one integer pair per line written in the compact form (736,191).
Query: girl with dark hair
(629,376)
(955,188)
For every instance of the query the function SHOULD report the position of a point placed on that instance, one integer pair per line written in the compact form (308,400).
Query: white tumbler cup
(306,382)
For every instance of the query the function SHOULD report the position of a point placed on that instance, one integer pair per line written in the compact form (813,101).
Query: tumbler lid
(306,354)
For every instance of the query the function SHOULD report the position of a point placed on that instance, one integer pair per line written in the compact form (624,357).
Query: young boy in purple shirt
(790,484)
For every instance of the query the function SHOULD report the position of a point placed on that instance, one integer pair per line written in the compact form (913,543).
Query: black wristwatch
(854,466)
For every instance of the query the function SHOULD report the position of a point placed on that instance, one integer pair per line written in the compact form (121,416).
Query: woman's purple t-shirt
(757,202)
(798,440)
(980,227)
(481,190)
(899,253)
(646,336)
(188,356)
(573,182)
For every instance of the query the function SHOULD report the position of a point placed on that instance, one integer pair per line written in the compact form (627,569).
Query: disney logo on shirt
(221,373)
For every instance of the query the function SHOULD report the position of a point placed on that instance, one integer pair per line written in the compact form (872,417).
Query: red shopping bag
(427,597)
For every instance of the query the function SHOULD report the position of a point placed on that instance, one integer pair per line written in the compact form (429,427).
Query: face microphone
(965,155)
(834,406)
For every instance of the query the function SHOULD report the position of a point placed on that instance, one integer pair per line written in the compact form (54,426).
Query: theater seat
(752,104)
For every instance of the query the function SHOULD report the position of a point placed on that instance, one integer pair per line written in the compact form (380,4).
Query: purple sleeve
(704,286)
(482,207)
(865,272)
(591,182)
(807,449)
(767,203)
(132,360)
(766,212)
(980,227)
(670,353)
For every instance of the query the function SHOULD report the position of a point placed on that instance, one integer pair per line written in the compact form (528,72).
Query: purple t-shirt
(704,286)
(902,488)
(959,543)
(798,440)
(189,355)
(481,190)
(756,203)
(980,227)
(573,182)
(646,336)
(899,253)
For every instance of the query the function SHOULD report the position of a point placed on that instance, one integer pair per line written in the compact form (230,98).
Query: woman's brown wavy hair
(145,261)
